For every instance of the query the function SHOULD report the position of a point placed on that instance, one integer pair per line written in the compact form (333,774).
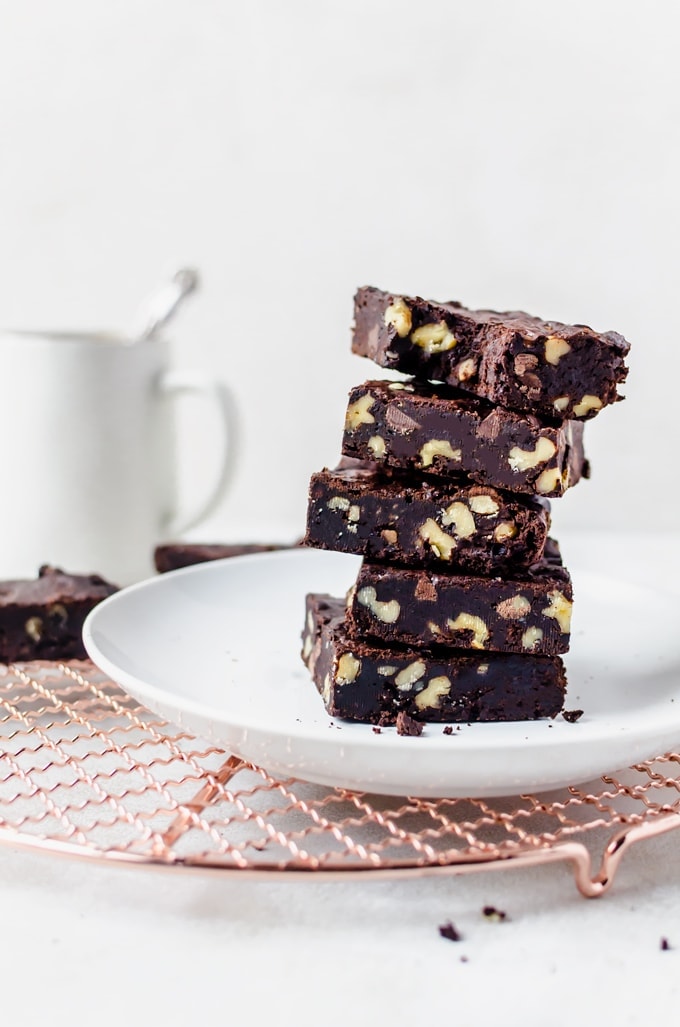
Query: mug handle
(194,383)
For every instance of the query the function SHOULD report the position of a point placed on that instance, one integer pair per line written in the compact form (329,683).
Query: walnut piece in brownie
(42,619)
(521,362)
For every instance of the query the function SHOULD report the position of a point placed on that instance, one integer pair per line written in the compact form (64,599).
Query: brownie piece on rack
(519,361)
(173,555)
(359,680)
(529,612)
(421,522)
(42,618)
(438,430)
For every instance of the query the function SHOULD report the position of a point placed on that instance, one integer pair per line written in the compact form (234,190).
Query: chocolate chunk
(521,362)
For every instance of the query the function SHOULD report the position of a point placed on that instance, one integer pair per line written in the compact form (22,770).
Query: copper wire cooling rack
(86,771)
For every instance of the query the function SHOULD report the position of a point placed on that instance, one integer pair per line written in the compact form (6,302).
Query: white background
(518,154)
(508,154)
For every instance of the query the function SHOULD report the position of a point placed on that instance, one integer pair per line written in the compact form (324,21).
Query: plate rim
(586,733)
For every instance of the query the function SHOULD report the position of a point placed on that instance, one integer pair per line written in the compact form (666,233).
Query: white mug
(88,452)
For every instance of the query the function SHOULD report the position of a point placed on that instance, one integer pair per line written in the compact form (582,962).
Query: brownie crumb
(571,716)
(377,730)
(426,590)
(448,930)
(491,913)
(464,959)
(665,945)
(448,730)
(407,725)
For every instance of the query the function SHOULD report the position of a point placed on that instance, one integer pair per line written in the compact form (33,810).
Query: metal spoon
(161,307)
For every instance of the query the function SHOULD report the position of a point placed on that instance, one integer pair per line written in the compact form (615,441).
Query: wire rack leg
(203,798)
(617,848)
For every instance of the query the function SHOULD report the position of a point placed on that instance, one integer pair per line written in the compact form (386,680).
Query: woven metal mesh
(85,770)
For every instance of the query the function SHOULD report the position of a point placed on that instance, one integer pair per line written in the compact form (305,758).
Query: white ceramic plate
(215,648)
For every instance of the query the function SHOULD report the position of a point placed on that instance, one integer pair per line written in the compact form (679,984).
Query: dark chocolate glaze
(42,619)
(502,356)
(375,684)
(440,430)
(429,608)
(411,520)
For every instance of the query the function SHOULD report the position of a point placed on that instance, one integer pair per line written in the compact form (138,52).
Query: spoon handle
(163,304)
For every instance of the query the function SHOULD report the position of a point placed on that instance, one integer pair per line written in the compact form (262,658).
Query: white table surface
(94,944)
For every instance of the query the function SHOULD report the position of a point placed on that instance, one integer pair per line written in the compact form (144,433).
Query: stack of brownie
(462,605)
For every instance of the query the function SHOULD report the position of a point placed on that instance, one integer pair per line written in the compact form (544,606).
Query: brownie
(519,361)
(173,555)
(360,680)
(42,619)
(527,613)
(420,522)
(435,429)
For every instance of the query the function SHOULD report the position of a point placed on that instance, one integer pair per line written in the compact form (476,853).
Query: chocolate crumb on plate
(665,945)
(571,716)
(448,730)
(407,725)
(377,730)
(448,931)
(491,913)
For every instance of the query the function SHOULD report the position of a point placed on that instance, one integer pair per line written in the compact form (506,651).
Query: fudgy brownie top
(171,556)
(567,371)
(51,586)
